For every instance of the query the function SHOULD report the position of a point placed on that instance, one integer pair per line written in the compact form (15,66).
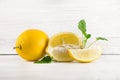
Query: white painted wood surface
(53,16)
(107,67)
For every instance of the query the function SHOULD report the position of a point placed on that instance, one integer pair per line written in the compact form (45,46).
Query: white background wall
(53,16)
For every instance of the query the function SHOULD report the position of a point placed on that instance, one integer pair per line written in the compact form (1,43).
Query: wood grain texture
(53,16)
(14,68)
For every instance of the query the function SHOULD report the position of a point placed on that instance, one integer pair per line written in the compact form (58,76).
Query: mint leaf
(46,59)
(82,28)
(98,38)
(88,36)
(101,38)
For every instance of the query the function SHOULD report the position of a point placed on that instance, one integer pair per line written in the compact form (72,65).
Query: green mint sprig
(46,59)
(97,39)
(85,36)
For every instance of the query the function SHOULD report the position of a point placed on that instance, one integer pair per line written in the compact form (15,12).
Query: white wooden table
(107,67)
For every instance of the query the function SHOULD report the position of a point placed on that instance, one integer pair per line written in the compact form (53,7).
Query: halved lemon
(85,55)
(59,44)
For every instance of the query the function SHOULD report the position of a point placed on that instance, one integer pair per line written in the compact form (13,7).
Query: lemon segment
(59,54)
(59,44)
(85,55)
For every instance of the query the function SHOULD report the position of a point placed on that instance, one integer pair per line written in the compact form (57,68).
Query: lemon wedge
(59,44)
(85,55)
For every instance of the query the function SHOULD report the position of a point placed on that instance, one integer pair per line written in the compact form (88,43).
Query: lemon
(85,55)
(31,44)
(60,43)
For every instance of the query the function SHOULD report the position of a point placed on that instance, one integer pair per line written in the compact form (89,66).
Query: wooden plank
(58,16)
(15,68)
(110,47)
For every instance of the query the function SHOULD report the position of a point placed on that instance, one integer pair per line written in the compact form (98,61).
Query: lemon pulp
(60,43)
(85,55)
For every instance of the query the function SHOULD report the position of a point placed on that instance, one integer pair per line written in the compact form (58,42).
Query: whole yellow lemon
(31,44)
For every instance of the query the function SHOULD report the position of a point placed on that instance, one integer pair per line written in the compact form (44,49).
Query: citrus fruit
(31,44)
(59,44)
(85,55)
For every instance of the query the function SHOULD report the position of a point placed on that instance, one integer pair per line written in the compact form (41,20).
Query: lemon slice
(59,44)
(85,55)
